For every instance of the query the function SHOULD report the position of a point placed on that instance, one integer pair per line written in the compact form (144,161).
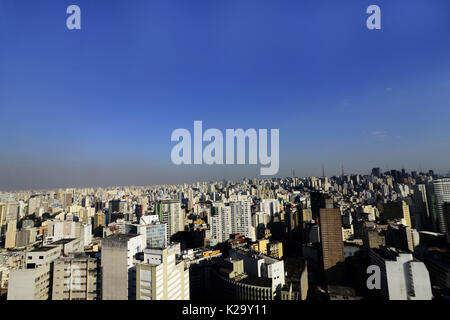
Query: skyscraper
(421,210)
(241,221)
(332,245)
(220,223)
(440,193)
(170,212)
(118,268)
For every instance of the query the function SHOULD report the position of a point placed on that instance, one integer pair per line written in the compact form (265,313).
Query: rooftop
(120,237)
(43,249)
(63,241)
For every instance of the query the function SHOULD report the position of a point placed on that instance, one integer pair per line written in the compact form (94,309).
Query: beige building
(99,219)
(118,265)
(11,232)
(161,276)
(75,278)
(29,284)
(2,216)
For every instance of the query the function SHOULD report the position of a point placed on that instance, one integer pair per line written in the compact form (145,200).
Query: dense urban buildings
(290,238)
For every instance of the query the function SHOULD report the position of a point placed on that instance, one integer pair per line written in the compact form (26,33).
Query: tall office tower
(2,217)
(83,215)
(270,206)
(67,200)
(12,211)
(10,240)
(317,202)
(216,228)
(99,205)
(220,223)
(118,267)
(440,193)
(75,278)
(446,214)
(402,276)
(99,219)
(241,218)
(30,284)
(330,223)
(83,231)
(397,210)
(421,210)
(190,199)
(33,203)
(169,212)
(161,277)
(259,222)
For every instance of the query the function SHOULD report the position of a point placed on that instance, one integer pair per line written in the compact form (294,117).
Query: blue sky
(97,106)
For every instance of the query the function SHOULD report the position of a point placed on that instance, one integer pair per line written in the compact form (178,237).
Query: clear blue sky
(97,106)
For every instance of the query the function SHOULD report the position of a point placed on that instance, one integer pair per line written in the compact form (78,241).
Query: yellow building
(99,219)
(397,210)
(2,214)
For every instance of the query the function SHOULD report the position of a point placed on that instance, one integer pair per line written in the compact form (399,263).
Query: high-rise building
(11,211)
(440,193)
(270,206)
(99,219)
(421,210)
(241,220)
(169,212)
(446,215)
(11,231)
(75,278)
(161,276)
(2,217)
(118,266)
(66,200)
(332,244)
(220,223)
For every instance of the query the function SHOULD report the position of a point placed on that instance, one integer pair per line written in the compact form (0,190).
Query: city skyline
(194,181)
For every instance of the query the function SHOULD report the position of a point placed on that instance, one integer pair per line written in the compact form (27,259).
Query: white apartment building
(241,219)
(270,206)
(161,276)
(220,223)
